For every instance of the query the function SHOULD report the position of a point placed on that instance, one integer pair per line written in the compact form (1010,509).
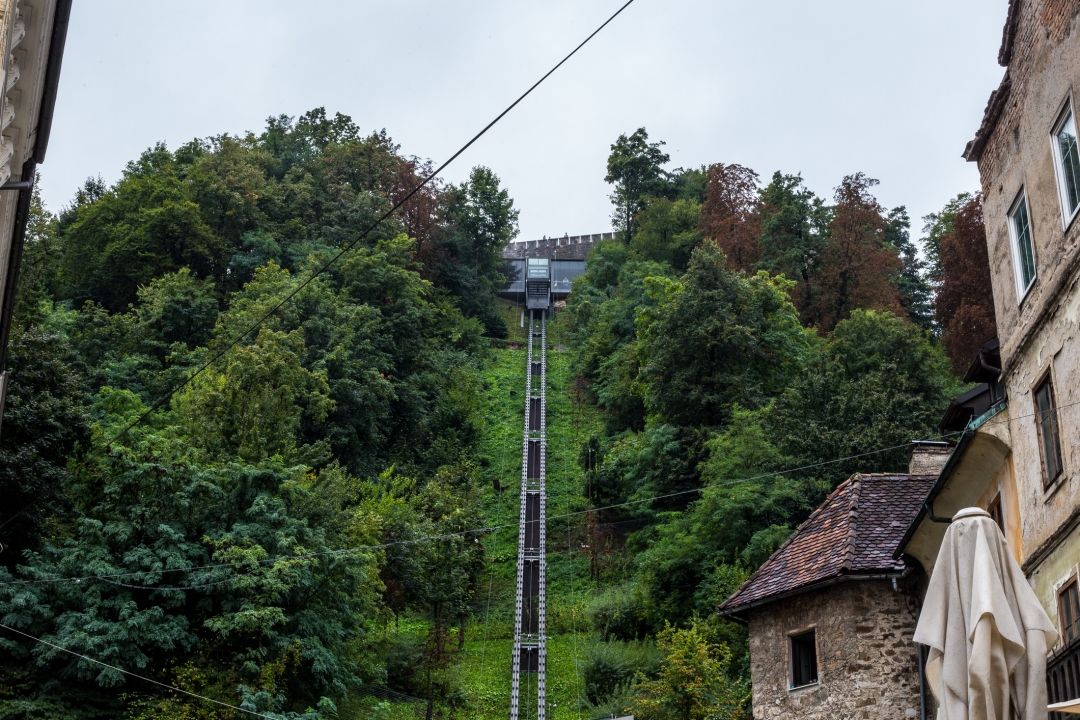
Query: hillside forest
(314,516)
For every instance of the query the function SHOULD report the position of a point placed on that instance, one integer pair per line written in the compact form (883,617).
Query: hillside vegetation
(312,513)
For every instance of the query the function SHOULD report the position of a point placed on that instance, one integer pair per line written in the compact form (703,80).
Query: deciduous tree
(965,300)
(730,214)
(635,168)
(857,264)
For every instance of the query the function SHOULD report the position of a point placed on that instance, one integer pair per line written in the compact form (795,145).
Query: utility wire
(353,243)
(727,482)
(461,533)
(136,675)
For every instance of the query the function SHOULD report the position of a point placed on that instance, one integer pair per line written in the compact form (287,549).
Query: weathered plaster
(1039,332)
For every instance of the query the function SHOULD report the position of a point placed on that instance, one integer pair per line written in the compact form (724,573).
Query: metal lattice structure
(530,648)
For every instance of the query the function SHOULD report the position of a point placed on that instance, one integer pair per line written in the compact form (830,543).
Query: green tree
(45,422)
(861,394)
(635,168)
(693,683)
(667,231)
(916,297)
(793,234)
(251,406)
(715,338)
(145,226)
(480,221)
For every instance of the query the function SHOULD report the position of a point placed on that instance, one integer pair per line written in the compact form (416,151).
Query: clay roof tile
(853,532)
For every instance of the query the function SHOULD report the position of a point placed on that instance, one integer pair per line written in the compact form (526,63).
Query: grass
(484,668)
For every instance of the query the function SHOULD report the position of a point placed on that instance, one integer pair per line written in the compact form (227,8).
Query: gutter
(22,214)
(734,613)
(57,40)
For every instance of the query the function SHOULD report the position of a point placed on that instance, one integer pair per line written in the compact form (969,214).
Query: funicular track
(529,660)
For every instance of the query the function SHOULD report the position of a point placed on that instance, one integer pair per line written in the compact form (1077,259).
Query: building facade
(32,35)
(1020,459)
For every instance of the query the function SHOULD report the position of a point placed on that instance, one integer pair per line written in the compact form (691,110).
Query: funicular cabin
(537,284)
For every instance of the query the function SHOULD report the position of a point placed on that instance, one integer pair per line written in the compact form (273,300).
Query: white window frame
(1067,113)
(1014,241)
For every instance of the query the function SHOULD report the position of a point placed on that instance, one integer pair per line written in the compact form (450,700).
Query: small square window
(1067,162)
(1022,245)
(1046,421)
(803,659)
(1069,612)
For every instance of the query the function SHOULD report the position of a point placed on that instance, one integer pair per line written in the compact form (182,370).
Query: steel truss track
(530,629)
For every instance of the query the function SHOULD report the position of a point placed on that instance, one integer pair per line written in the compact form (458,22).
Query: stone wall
(1039,333)
(867,662)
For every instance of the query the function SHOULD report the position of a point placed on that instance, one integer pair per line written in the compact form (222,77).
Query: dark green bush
(611,667)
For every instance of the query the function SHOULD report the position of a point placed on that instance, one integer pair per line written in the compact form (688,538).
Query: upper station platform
(566,261)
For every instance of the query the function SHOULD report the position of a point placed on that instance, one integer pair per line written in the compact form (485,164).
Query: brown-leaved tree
(857,264)
(729,215)
(965,302)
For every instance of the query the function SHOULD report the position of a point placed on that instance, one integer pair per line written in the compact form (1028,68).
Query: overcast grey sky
(827,88)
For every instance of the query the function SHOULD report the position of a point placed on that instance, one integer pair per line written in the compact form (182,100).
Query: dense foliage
(739,331)
(319,511)
(207,515)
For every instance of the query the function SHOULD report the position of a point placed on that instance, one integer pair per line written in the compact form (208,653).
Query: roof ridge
(852,519)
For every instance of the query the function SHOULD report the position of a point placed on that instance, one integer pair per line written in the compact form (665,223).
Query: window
(1023,248)
(1069,612)
(1067,162)
(803,659)
(1047,423)
(994,508)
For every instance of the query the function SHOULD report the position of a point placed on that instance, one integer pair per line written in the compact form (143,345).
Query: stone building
(831,614)
(1020,459)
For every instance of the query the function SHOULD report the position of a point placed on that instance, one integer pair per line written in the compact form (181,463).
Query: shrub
(621,613)
(610,669)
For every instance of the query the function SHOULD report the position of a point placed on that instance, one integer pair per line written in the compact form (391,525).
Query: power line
(353,243)
(726,482)
(464,533)
(136,675)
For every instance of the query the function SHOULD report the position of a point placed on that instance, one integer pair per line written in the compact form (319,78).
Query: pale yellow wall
(1052,574)
(981,471)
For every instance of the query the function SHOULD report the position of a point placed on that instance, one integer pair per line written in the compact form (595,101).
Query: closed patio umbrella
(987,633)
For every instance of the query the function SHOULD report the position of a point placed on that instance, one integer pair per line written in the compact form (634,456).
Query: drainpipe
(922,684)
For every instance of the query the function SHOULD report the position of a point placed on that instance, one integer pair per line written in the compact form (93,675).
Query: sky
(825,88)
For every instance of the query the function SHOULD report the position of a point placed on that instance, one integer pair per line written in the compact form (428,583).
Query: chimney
(928,457)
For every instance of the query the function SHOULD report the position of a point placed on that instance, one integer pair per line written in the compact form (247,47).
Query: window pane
(803,659)
(994,508)
(1046,421)
(1070,163)
(1069,611)
(1025,252)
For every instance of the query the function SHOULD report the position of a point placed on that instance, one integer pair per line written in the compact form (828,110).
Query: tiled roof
(854,532)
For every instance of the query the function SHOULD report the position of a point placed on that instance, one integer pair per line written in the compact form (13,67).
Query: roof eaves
(958,451)
(994,108)
(1008,34)
(879,574)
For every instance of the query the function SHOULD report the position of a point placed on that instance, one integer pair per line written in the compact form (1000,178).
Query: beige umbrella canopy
(987,633)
